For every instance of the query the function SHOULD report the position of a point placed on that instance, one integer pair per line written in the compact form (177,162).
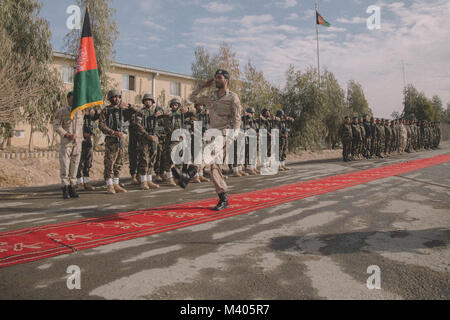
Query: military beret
(224,73)
(69,94)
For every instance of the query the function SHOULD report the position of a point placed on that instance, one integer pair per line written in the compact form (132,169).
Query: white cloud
(412,33)
(292,16)
(152,24)
(211,21)
(354,20)
(218,7)
(282,4)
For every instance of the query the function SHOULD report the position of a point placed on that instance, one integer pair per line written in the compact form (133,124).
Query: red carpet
(47,241)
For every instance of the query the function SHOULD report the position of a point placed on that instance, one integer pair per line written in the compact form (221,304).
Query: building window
(67,73)
(19,134)
(175,89)
(128,82)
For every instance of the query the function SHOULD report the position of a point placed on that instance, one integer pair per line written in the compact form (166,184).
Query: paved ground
(315,248)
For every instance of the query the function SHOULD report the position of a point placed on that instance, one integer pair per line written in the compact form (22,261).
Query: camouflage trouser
(387,146)
(166,159)
(373,147)
(113,158)
(158,167)
(148,151)
(283,148)
(87,157)
(355,147)
(133,152)
(380,146)
(346,149)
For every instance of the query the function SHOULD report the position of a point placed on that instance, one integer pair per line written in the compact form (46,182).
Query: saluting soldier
(112,123)
(225,113)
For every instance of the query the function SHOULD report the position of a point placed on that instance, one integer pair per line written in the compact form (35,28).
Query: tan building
(132,81)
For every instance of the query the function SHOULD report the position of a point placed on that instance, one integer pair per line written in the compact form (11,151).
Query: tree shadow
(353,242)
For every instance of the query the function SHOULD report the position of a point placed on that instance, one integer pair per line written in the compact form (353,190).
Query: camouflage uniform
(113,119)
(87,150)
(173,121)
(357,138)
(143,124)
(346,133)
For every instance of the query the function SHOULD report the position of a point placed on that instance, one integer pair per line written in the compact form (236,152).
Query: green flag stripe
(88,89)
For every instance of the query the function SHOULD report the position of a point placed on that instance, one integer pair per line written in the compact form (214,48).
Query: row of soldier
(368,138)
(149,128)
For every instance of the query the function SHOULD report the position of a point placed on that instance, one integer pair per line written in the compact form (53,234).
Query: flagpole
(318,49)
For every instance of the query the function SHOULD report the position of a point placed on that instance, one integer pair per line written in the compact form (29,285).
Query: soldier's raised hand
(208,83)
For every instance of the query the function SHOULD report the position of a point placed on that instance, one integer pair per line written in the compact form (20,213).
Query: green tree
(256,91)
(30,37)
(206,64)
(335,108)
(304,101)
(416,104)
(105,34)
(438,109)
(356,100)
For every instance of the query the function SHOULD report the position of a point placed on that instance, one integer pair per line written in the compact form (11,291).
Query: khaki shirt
(63,124)
(224,112)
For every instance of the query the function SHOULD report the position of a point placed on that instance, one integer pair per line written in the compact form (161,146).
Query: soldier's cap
(347,117)
(250,110)
(148,96)
(355,118)
(224,73)
(159,108)
(69,94)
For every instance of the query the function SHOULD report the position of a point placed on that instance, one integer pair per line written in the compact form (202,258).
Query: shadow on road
(354,242)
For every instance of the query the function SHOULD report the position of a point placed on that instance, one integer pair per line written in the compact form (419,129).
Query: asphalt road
(316,248)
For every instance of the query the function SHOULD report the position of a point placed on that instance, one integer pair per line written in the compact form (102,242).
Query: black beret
(225,73)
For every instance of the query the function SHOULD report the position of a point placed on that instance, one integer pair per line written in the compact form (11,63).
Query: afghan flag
(87,91)
(321,20)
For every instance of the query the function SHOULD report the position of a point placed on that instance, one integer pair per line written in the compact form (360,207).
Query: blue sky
(274,34)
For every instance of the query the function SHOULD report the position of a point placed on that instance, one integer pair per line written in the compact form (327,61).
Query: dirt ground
(44,171)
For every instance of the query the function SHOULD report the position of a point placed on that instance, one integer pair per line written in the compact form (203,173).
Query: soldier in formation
(383,138)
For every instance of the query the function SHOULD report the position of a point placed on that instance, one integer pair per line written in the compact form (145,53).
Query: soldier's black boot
(182,177)
(223,203)
(65,192)
(73,193)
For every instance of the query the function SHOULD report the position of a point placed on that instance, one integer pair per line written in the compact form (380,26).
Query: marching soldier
(87,150)
(143,124)
(225,113)
(346,133)
(112,123)
(71,132)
